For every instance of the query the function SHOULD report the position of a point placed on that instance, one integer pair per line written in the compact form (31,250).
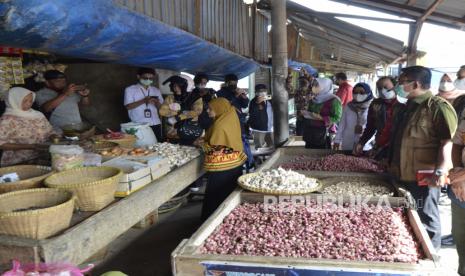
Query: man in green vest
(422,140)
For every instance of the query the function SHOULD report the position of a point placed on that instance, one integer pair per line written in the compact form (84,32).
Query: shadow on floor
(149,254)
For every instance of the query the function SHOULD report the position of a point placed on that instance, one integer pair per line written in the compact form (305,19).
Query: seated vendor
(62,100)
(22,128)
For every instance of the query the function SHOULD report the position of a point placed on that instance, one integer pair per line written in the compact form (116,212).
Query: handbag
(189,130)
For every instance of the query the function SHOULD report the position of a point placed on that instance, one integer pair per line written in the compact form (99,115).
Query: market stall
(90,232)
(190,257)
(312,235)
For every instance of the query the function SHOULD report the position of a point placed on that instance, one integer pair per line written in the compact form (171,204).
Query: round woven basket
(242,179)
(128,141)
(31,176)
(94,187)
(35,213)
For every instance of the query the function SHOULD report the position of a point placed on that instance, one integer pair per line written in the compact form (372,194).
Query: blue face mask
(400,91)
(146,82)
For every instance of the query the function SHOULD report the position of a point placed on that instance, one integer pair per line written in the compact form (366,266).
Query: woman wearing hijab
(354,118)
(21,128)
(447,89)
(379,120)
(324,110)
(224,154)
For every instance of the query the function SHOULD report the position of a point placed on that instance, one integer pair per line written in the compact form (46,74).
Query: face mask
(262,94)
(201,86)
(401,92)
(360,97)
(146,82)
(460,84)
(446,86)
(388,94)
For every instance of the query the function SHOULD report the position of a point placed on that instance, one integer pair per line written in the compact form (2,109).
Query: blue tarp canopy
(298,65)
(103,31)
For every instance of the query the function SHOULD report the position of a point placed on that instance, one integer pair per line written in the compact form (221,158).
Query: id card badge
(148,113)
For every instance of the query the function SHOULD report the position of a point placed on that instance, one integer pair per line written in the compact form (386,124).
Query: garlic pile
(281,180)
(363,188)
(176,154)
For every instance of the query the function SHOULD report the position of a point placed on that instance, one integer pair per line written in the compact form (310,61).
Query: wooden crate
(187,259)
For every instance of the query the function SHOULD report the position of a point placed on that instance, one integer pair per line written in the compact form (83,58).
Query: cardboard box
(135,175)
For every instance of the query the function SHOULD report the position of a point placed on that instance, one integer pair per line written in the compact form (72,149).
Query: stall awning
(103,31)
(298,65)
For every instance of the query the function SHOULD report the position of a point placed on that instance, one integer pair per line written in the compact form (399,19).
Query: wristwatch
(439,172)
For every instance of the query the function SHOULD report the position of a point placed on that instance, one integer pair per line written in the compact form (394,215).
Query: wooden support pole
(279,67)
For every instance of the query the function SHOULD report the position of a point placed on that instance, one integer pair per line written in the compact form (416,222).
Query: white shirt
(136,93)
(346,136)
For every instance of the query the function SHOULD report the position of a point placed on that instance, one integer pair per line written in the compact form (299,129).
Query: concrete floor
(146,252)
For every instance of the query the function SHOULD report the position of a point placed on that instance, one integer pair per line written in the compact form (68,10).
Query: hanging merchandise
(11,70)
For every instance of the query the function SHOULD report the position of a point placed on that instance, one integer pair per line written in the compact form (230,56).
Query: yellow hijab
(226,128)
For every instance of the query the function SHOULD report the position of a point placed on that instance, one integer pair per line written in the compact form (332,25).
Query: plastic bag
(66,157)
(43,269)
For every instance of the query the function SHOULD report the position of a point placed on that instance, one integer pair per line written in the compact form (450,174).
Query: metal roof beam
(397,9)
(364,17)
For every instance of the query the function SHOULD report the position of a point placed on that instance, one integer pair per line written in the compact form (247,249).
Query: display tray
(241,182)
(187,258)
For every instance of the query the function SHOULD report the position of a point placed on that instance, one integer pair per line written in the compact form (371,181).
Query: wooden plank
(80,242)
(422,235)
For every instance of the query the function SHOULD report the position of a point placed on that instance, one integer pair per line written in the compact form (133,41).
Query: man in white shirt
(143,100)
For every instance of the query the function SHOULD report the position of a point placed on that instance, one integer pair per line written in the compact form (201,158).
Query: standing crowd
(403,125)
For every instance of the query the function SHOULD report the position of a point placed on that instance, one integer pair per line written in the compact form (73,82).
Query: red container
(422,174)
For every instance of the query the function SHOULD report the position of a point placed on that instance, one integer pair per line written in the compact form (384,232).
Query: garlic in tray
(176,154)
(281,180)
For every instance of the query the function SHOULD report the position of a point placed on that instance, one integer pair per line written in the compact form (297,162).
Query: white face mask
(460,84)
(446,86)
(146,82)
(360,97)
(388,94)
(201,86)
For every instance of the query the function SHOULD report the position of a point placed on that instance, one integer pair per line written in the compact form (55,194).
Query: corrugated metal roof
(450,13)
(341,44)
(227,23)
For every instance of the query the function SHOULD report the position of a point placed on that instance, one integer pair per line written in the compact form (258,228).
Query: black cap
(230,77)
(54,74)
(259,87)
(144,70)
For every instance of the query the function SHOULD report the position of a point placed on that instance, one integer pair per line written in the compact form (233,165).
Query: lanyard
(143,94)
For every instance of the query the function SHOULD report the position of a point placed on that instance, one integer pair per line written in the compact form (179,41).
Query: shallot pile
(311,231)
(363,188)
(280,180)
(176,154)
(334,163)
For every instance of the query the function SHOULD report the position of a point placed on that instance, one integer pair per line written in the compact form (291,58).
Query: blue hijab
(361,106)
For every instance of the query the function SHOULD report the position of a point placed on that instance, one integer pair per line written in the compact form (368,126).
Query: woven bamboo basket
(128,141)
(94,187)
(50,212)
(31,176)
(242,179)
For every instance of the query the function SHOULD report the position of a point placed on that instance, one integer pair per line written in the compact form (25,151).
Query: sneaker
(195,189)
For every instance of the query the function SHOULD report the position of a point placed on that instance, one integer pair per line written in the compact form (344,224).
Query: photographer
(143,100)
(60,100)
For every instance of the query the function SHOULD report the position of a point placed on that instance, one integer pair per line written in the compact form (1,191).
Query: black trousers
(219,186)
(427,199)
(299,127)
(158,133)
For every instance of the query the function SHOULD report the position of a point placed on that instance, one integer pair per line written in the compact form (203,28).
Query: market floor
(146,252)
